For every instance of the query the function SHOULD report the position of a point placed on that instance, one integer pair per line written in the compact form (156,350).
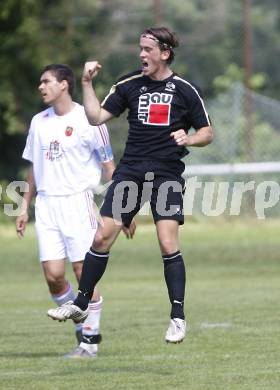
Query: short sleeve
(103,149)
(115,102)
(198,114)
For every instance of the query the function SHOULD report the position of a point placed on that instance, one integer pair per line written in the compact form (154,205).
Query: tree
(32,34)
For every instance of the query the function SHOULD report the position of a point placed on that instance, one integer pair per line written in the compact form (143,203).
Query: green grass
(232,306)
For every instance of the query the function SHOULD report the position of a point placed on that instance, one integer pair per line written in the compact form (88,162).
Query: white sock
(91,348)
(91,326)
(68,295)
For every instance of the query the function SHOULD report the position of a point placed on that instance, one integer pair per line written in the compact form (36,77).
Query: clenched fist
(91,70)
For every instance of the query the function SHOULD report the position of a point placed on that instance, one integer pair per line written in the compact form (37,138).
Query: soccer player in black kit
(162,107)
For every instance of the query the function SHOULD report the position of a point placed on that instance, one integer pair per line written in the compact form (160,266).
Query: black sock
(175,277)
(93,268)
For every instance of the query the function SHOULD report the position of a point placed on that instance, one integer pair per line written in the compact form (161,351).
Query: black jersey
(155,109)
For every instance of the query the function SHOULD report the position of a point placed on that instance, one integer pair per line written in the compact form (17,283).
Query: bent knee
(101,241)
(168,246)
(57,287)
(56,282)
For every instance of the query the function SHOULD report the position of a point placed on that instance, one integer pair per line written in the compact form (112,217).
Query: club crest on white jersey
(68,131)
(154,108)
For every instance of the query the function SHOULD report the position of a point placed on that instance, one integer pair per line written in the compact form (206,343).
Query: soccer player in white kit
(67,156)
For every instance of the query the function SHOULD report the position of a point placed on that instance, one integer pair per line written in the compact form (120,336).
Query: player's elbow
(209,135)
(92,120)
(92,116)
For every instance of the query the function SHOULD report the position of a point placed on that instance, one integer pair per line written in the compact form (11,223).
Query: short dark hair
(166,39)
(62,72)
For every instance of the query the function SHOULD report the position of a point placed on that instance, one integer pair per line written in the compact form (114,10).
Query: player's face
(152,58)
(50,88)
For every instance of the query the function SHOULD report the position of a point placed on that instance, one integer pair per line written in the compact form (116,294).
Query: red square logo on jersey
(159,113)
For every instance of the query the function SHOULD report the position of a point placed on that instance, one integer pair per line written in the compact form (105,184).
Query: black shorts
(136,182)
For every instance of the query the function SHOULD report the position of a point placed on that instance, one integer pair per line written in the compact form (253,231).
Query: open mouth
(145,65)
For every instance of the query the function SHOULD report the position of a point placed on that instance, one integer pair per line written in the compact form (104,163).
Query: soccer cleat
(176,331)
(68,311)
(82,352)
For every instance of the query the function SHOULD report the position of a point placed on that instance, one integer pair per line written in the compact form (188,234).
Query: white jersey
(66,152)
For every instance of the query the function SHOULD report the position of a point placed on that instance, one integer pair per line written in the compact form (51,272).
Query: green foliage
(231,125)
(266,135)
(234,74)
(11,164)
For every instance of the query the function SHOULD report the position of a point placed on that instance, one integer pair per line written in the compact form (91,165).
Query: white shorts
(65,226)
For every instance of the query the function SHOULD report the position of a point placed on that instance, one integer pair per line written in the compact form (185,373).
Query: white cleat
(68,311)
(176,331)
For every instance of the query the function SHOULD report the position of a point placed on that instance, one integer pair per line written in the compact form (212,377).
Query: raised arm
(95,113)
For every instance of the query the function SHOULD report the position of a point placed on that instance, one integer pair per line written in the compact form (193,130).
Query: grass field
(232,307)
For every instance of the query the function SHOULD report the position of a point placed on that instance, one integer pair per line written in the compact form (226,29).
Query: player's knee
(56,283)
(168,246)
(101,241)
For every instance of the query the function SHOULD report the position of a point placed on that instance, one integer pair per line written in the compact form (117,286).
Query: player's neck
(162,74)
(63,106)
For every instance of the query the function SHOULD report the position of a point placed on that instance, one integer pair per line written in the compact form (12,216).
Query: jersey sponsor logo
(68,131)
(154,108)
